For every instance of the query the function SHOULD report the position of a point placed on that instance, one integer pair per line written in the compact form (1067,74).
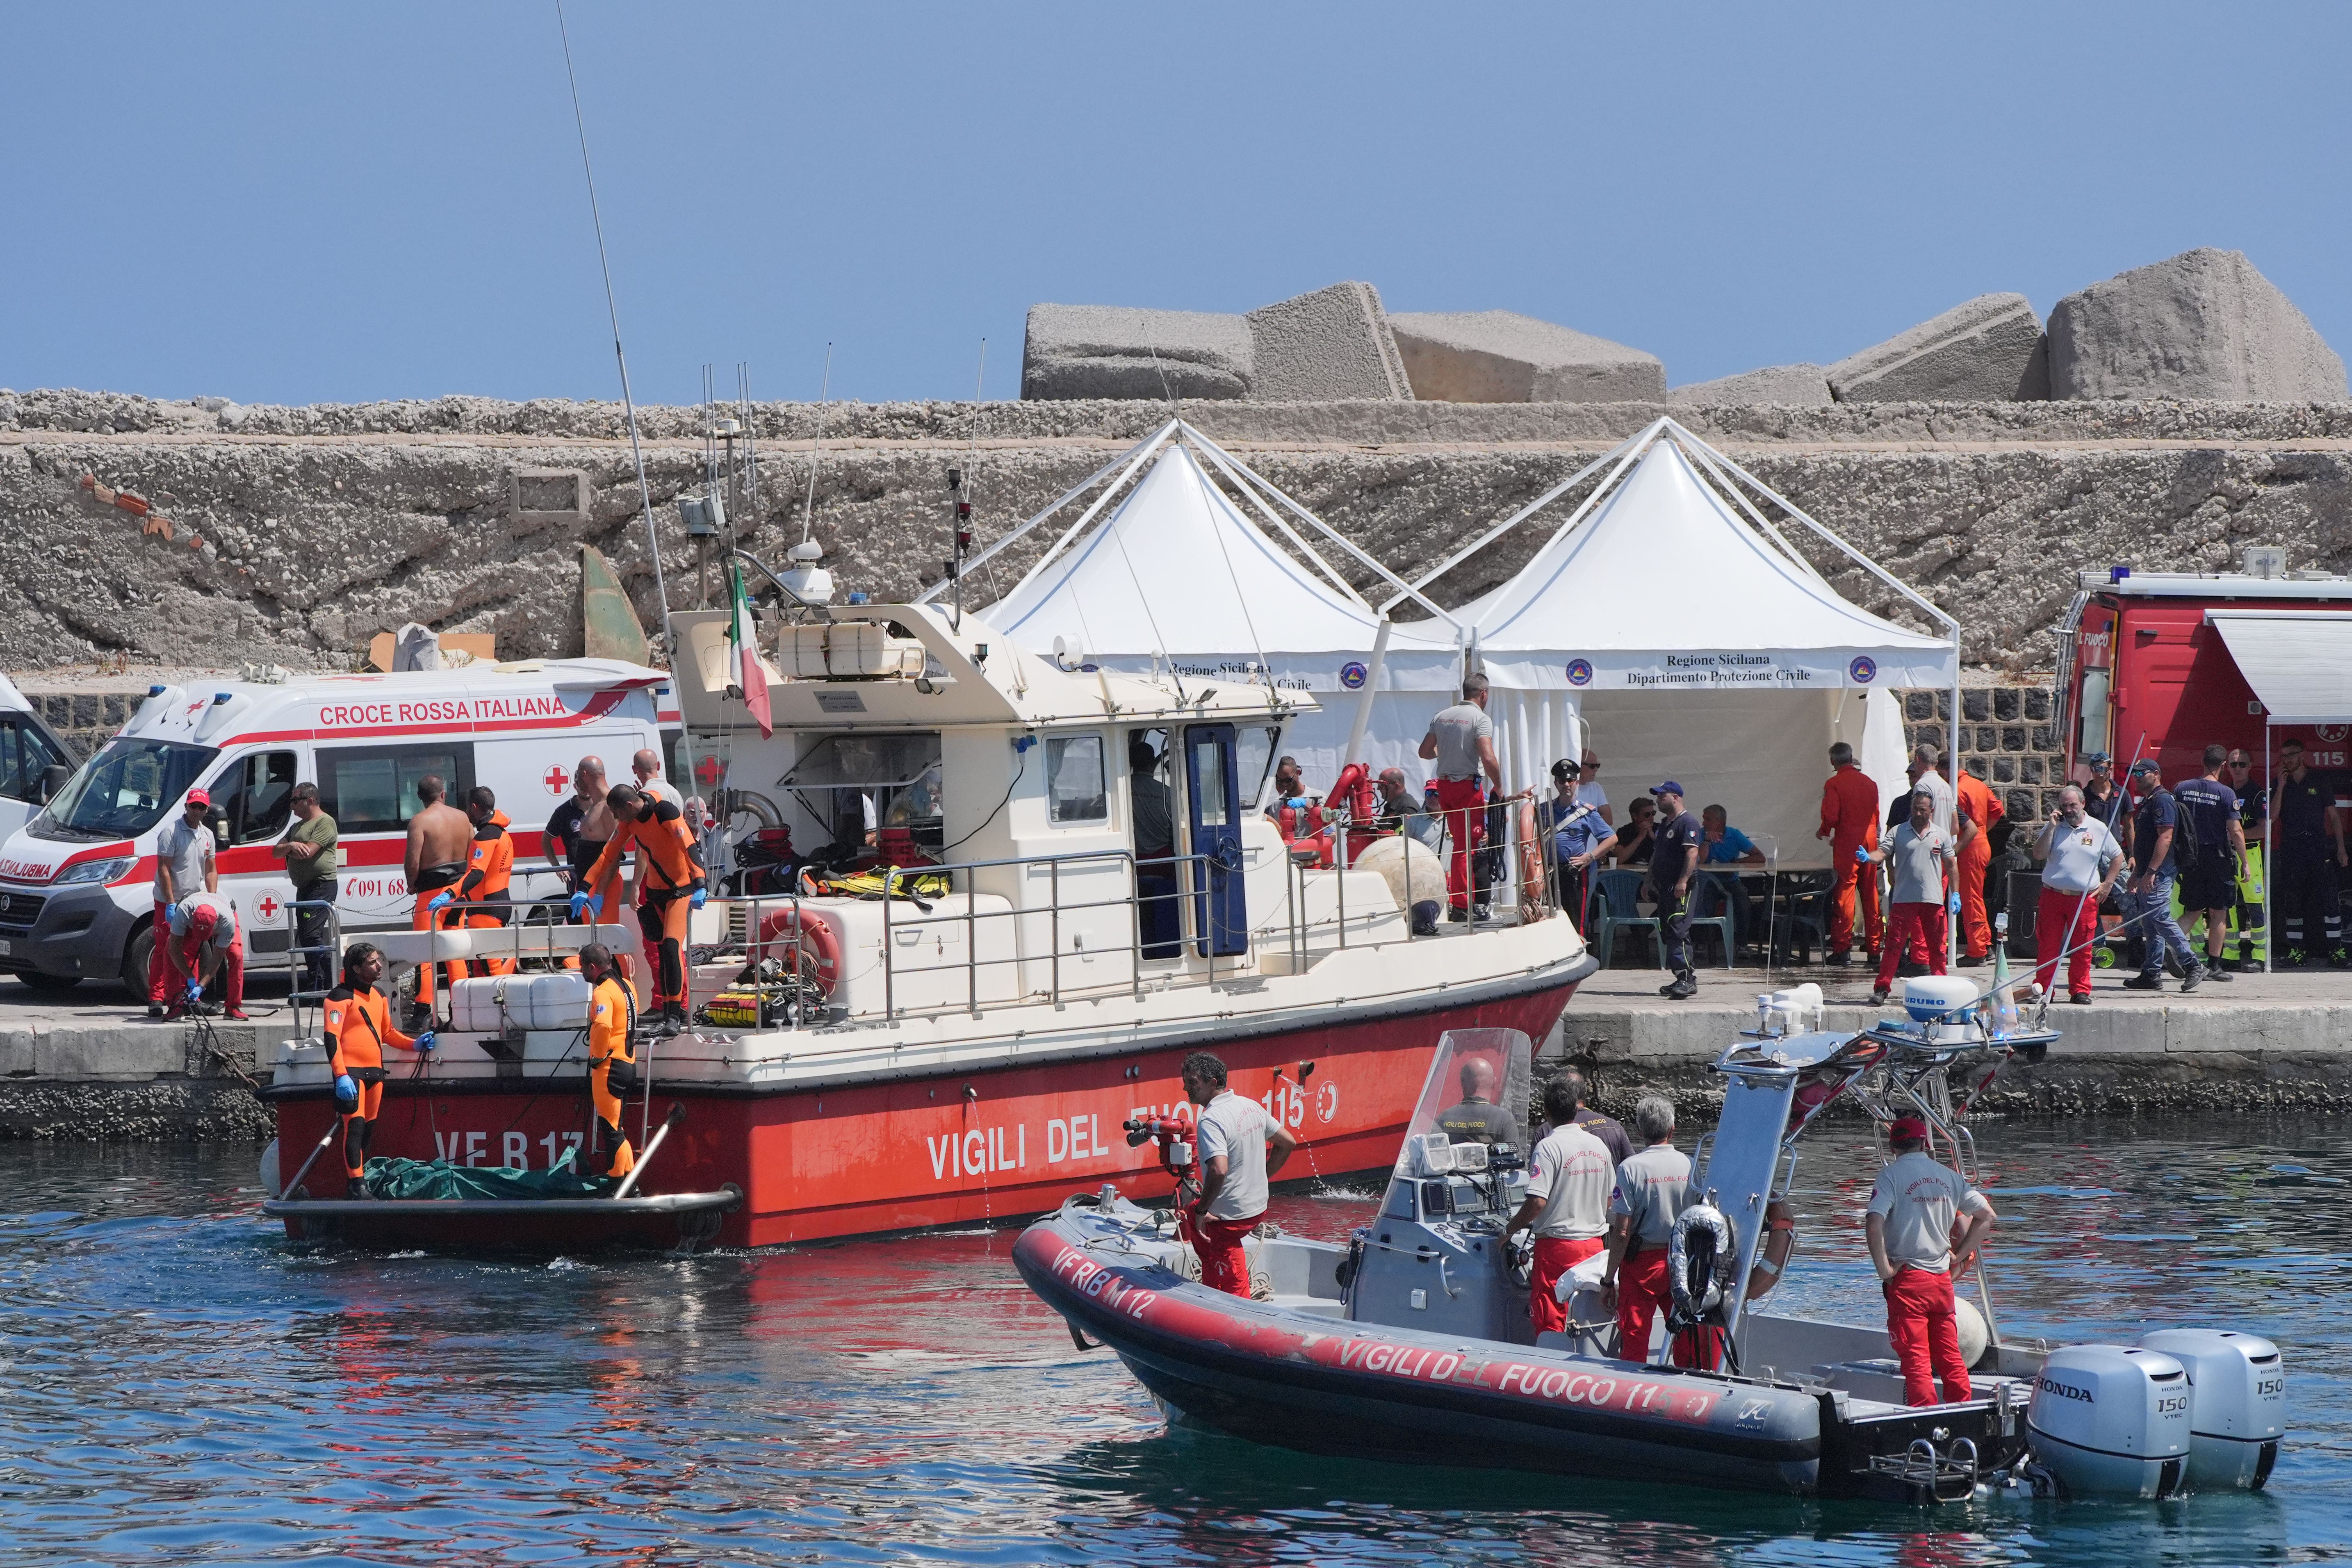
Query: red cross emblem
(556,779)
(268,906)
(708,770)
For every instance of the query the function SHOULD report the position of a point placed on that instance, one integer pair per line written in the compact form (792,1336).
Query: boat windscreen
(1476,1091)
(862,762)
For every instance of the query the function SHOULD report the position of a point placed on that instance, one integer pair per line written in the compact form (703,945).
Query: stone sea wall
(293,534)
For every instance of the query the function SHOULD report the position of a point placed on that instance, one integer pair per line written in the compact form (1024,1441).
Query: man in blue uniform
(2253,820)
(1678,841)
(2310,839)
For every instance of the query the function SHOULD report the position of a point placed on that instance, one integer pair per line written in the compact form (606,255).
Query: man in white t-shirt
(1913,1210)
(1570,1178)
(1916,855)
(1240,1148)
(183,866)
(2079,860)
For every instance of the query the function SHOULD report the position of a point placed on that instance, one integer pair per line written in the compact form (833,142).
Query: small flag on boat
(743,646)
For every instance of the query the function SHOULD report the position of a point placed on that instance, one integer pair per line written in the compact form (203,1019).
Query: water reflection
(182,1386)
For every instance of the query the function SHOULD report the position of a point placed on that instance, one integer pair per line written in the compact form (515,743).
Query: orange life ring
(1532,892)
(812,936)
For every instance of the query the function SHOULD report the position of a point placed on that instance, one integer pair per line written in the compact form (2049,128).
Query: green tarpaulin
(439,1179)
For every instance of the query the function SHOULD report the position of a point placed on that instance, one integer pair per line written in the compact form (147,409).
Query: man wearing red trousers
(1461,742)
(1240,1147)
(1651,1189)
(183,868)
(1980,813)
(1913,1210)
(1917,853)
(2079,861)
(1570,1178)
(1850,822)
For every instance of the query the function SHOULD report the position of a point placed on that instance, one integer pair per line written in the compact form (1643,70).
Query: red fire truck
(2162,664)
(2150,653)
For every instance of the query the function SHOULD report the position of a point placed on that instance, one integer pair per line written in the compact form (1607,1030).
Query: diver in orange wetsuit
(672,881)
(358,1026)
(612,1017)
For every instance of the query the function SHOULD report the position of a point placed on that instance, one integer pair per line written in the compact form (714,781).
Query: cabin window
(373,789)
(256,798)
(1076,787)
(864,787)
(1254,759)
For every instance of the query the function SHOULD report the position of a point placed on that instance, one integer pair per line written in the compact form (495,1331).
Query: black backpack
(2186,849)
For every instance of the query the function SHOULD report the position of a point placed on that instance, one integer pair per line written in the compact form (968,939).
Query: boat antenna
(628,403)
(972,444)
(817,449)
(750,449)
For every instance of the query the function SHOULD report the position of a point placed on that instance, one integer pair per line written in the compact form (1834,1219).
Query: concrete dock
(90,1065)
(2253,1042)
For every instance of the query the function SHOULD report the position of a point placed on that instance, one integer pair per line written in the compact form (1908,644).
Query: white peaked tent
(1672,617)
(1175,576)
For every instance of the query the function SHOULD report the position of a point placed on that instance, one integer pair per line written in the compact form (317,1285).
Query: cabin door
(1214,803)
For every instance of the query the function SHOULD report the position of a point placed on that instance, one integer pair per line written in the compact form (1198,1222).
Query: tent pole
(1362,723)
(1952,921)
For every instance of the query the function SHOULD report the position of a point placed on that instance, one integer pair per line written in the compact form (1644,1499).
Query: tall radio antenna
(816,447)
(628,403)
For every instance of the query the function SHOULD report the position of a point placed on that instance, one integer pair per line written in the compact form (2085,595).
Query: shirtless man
(440,838)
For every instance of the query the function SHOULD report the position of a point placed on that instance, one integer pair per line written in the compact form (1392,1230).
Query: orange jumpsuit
(430,882)
(1849,816)
(612,1013)
(358,1026)
(1984,808)
(489,869)
(669,874)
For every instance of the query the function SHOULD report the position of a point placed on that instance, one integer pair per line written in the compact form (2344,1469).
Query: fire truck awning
(2299,662)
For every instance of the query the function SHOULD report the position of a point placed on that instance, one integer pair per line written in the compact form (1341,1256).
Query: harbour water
(181,1385)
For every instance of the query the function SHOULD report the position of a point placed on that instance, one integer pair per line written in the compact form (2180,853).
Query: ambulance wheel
(135,955)
(49,985)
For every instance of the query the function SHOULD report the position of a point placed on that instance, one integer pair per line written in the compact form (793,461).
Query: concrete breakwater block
(1781,383)
(1501,356)
(1120,351)
(1331,344)
(2202,324)
(1989,348)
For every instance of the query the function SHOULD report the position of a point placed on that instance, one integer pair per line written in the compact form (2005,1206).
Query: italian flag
(743,646)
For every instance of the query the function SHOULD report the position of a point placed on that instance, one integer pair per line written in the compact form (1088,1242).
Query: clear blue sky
(337,203)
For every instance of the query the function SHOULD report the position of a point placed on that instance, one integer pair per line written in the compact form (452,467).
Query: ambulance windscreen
(1476,1091)
(124,790)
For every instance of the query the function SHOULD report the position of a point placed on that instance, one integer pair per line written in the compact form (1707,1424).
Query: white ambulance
(29,751)
(75,899)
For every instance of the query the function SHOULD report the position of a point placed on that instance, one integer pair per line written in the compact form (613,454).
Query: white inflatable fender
(1412,869)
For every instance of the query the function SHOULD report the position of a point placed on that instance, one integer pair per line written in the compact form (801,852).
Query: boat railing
(297,957)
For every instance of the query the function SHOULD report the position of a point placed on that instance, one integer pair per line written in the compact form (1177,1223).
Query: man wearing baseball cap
(1675,846)
(2155,867)
(1909,1227)
(183,868)
(204,939)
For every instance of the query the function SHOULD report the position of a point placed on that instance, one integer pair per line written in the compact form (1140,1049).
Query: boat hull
(945,1147)
(1330,1386)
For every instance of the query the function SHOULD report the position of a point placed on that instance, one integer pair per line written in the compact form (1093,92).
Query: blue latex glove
(196,991)
(347,1091)
(175,916)
(582,903)
(1861,856)
(441,899)
(1952,902)
(426,1041)
(699,899)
